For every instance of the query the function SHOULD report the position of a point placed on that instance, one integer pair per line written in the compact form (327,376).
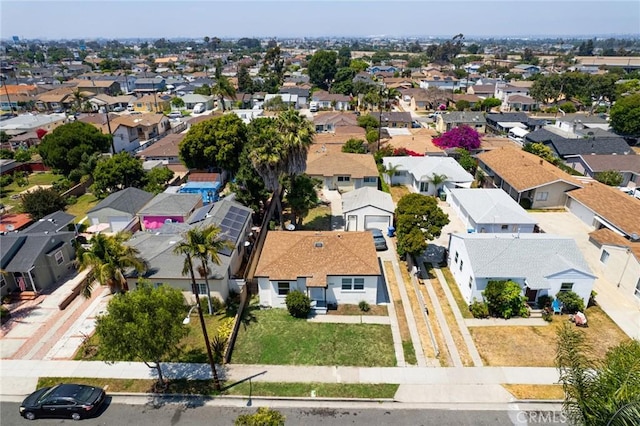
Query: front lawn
(274,337)
(535,346)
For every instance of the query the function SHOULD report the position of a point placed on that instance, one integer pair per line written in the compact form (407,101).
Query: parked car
(118,109)
(175,114)
(378,239)
(63,400)
(198,108)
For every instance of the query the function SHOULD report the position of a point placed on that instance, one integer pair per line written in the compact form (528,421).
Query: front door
(531,295)
(317,294)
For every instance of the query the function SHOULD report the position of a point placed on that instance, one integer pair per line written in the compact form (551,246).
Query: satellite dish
(10,228)
(634,236)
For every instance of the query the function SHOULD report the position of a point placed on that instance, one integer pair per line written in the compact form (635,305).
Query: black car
(63,400)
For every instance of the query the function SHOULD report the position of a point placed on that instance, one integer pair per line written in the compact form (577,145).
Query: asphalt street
(116,413)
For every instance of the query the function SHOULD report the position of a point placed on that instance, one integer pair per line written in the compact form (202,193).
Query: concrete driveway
(622,307)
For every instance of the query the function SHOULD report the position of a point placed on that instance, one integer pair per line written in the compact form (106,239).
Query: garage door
(118,223)
(376,222)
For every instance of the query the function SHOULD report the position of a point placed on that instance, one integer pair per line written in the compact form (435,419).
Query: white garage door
(376,222)
(580,211)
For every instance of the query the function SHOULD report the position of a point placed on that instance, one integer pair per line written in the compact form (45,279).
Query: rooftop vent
(318,244)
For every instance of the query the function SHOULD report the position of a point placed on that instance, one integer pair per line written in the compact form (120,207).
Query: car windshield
(47,393)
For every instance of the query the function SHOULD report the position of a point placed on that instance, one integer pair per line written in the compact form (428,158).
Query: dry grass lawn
(405,336)
(398,191)
(523,346)
(462,304)
(547,392)
(343,309)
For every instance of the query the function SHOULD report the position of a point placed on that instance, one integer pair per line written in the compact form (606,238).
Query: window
(503,227)
(344,179)
(461,262)
(637,292)
(424,186)
(604,256)
(59,257)
(566,286)
(370,179)
(542,196)
(351,284)
(470,282)
(400,173)
(283,288)
(202,289)
(456,259)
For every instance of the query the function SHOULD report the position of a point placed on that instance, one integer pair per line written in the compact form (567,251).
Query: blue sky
(52,19)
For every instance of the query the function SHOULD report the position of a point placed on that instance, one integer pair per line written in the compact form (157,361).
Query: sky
(51,19)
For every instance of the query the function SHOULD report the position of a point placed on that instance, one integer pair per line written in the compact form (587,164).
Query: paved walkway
(337,219)
(351,319)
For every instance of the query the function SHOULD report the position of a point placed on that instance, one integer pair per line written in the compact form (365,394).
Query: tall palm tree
(222,88)
(437,181)
(109,258)
(196,244)
(297,134)
(78,98)
(390,171)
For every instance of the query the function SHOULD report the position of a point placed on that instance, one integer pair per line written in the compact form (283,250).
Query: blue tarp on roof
(208,190)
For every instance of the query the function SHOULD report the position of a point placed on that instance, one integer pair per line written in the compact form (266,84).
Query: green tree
(248,185)
(609,177)
(216,142)
(419,219)
(275,104)
(368,122)
(504,299)
(117,172)
(157,178)
(144,324)
(4,137)
(302,196)
(437,180)
(462,105)
(354,146)
(344,56)
(204,90)
(263,417)
(108,258)
(358,65)
(625,115)
(223,89)
(63,148)
(466,161)
(177,103)
(41,202)
(322,68)
(546,89)
(245,83)
(23,155)
(598,391)
(541,150)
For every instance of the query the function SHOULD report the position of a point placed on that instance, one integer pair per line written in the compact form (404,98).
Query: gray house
(54,222)
(119,209)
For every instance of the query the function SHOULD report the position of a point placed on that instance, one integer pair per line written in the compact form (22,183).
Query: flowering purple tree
(459,137)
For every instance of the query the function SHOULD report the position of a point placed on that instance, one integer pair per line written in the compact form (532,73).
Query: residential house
(367,208)
(526,70)
(441,82)
(207,190)
(150,85)
(473,119)
(331,101)
(165,150)
(505,90)
(393,119)
(27,123)
(98,87)
(504,121)
(130,132)
(332,268)
(165,267)
(35,261)
(417,173)
(619,261)
(590,165)
(13,222)
(574,123)
(301,93)
(56,99)
(541,264)
(601,206)
(328,121)
(54,222)
(168,208)
(151,103)
(191,100)
(118,211)
(521,103)
(418,140)
(364,78)
(564,147)
(483,91)
(343,171)
(334,142)
(490,211)
(531,181)
(375,69)
(474,100)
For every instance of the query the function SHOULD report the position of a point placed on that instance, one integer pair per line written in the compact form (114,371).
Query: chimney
(541,162)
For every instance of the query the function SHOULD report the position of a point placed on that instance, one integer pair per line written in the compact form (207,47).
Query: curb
(538,401)
(258,397)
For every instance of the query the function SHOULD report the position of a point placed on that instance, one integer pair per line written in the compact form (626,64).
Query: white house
(541,264)
(330,267)
(417,173)
(342,171)
(490,211)
(367,208)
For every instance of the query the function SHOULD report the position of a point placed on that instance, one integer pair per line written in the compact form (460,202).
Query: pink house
(168,208)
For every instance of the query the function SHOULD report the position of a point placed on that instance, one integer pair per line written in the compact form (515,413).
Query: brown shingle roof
(339,163)
(616,207)
(289,255)
(420,140)
(165,147)
(607,236)
(601,163)
(523,170)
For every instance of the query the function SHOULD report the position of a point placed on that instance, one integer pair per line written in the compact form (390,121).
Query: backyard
(83,204)
(11,193)
(274,337)
(535,346)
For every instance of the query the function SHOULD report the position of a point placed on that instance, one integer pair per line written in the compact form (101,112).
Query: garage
(118,223)
(581,211)
(376,222)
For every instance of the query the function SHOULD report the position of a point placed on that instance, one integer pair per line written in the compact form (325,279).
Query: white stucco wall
(361,213)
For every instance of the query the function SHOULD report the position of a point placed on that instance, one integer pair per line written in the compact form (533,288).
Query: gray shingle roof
(464,117)
(128,200)
(53,222)
(170,204)
(531,256)
(367,196)
(20,251)
(564,146)
(491,206)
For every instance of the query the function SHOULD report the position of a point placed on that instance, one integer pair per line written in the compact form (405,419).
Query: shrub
(568,107)
(298,304)
(71,200)
(571,301)
(592,299)
(547,315)
(545,301)
(265,416)
(225,328)
(504,299)
(479,309)
(217,304)
(364,306)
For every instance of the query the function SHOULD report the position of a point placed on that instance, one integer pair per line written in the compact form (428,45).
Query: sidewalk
(351,319)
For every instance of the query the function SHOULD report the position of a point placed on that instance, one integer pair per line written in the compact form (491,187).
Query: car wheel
(29,415)
(76,416)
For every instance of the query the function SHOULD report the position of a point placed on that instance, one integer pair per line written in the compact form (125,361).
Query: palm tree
(390,171)
(297,133)
(222,88)
(197,243)
(78,97)
(437,180)
(108,257)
